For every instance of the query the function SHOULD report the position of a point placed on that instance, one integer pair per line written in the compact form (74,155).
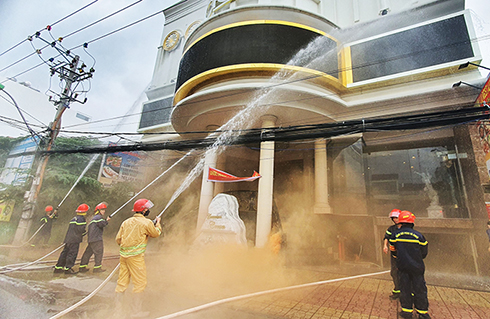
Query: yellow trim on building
(216,74)
(345,62)
(251,22)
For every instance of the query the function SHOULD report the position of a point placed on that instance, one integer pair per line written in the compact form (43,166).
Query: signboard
(6,209)
(120,166)
(16,168)
(484,94)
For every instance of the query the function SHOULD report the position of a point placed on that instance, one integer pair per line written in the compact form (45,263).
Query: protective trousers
(68,256)
(413,282)
(394,275)
(95,248)
(132,267)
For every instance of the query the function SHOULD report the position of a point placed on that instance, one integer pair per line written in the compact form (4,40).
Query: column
(264,196)
(220,164)
(207,188)
(321,181)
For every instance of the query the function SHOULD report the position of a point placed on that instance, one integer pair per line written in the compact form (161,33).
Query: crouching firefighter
(132,238)
(95,240)
(411,248)
(73,238)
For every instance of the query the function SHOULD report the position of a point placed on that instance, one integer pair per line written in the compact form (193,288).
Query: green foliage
(6,144)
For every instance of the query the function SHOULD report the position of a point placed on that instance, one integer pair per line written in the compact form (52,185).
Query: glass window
(425,181)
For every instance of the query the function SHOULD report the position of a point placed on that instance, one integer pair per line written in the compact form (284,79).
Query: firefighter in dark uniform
(73,238)
(95,241)
(411,248)
(46,223)
(395,294)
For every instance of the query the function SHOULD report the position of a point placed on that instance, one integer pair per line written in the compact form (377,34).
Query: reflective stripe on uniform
(78,224)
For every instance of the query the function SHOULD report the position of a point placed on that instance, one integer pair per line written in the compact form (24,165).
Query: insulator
(85,45)
(60,39)
(48,28)
(38,51)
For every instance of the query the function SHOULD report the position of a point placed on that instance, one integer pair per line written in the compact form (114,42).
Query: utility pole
(69,72)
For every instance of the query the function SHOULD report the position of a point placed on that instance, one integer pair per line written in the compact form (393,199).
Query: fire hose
(33,262)
(261,293)
(88,297)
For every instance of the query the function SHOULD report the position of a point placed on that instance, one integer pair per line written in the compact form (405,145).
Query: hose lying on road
(33,262)
(48,262)
(226,300)
(84,300)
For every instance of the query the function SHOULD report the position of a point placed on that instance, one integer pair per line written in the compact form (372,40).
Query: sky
(124,61)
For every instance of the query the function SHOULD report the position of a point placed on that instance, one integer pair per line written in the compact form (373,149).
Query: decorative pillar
(207,188)
(264,196)
(220,164)
(321,178)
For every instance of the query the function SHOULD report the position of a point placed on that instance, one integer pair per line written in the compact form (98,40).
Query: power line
(101,19)
(51,25)
(304,132)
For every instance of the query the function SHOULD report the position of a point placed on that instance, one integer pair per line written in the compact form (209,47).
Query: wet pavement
(39,294)
(359,298)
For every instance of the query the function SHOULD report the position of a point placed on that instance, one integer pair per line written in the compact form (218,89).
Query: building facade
(303,62)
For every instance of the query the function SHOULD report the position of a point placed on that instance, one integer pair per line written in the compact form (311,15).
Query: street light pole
(70,75)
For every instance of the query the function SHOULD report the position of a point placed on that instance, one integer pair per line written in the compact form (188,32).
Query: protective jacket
(47,221)
(411,248)
(76,230)
(389,232)
(132,236)
(96,228)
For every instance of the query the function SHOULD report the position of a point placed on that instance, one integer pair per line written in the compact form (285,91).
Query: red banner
(215,175)
(484,95)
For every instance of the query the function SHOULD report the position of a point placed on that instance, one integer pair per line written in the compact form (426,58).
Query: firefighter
(411,248)
(395,294)
(73,238)
(95,241)
(46,223)
(132,238)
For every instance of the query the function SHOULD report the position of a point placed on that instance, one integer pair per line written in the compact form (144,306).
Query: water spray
(151,183)
(90,163)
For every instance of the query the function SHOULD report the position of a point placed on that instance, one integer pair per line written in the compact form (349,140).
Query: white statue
(223,224)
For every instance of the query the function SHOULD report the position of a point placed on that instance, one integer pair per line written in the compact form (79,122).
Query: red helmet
(83,208)
(395,213)
(141,204)
(100,206)
(48,208)
(406,217)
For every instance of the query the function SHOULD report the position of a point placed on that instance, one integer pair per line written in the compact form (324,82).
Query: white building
(329,61)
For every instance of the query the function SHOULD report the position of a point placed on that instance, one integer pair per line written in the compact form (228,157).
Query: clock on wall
(171,40)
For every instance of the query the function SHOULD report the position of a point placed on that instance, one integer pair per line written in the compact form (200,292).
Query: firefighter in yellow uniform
(132,239)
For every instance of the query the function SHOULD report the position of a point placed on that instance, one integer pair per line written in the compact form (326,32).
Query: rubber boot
(119,312)
(137,307)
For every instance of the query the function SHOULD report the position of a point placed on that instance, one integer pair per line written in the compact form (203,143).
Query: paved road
(13,307)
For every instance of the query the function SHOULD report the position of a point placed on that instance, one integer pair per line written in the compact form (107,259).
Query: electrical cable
(117,30)
(51,25)
(302,132)
(31,131)
(102,19)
